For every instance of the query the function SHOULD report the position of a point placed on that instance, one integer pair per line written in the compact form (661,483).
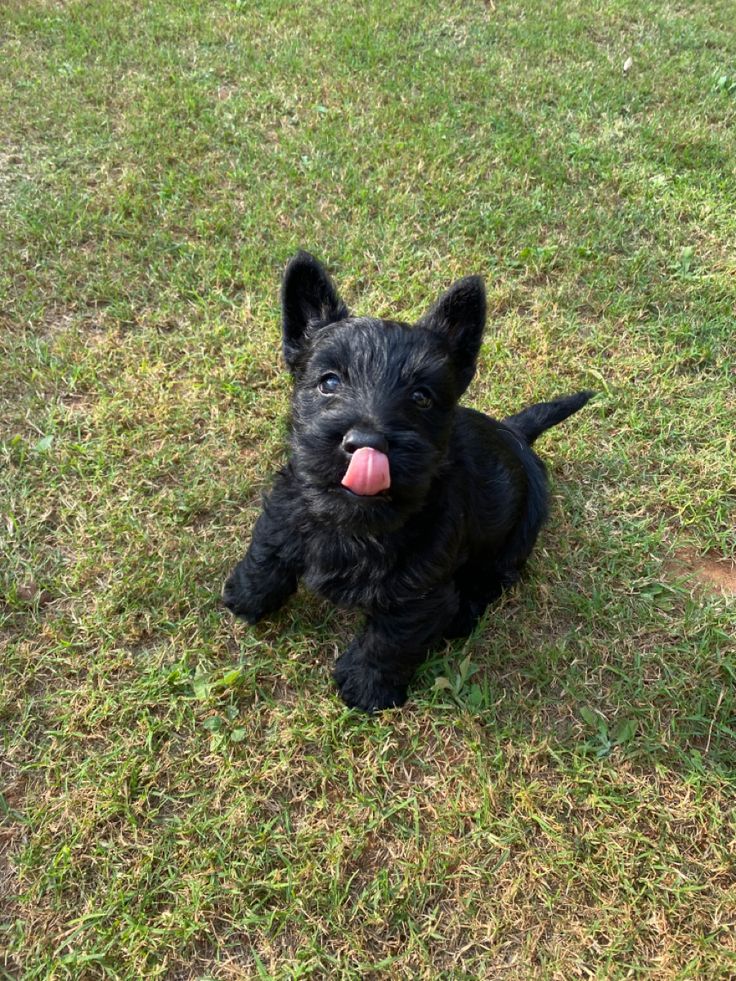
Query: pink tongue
(368,472)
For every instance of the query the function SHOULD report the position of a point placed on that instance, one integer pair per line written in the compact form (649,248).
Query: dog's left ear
(460,316)
(308,300)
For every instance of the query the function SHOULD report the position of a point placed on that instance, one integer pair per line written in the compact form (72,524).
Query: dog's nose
(355,438)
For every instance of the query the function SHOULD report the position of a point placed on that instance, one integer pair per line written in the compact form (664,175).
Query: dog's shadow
(635,664)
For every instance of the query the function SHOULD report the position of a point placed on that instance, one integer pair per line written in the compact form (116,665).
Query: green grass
(184,797)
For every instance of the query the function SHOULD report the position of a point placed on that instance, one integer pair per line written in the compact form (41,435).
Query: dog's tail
(534,420)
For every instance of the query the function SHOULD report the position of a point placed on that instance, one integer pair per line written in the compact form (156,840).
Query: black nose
(355,438)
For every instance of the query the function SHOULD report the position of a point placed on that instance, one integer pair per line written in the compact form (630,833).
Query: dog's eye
(422,398)
(329,383)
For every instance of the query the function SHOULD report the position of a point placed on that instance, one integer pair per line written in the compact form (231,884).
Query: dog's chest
(351,572)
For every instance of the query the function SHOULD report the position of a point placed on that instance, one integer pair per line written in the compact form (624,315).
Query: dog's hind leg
(486,575)
(479,582)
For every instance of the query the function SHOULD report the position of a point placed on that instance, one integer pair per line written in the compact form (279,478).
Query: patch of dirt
(12,167)
(710,571)
(74,403)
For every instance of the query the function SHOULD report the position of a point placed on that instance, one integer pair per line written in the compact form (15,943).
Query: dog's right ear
(308,300)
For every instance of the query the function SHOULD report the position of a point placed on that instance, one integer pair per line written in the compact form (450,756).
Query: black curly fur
(467,497)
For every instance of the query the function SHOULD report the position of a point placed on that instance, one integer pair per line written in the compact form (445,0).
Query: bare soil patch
(710,571)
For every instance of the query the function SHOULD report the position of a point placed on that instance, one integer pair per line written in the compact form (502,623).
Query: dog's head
(373,400)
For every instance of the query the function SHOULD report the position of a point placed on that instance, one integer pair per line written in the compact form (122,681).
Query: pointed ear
(460,316)
(308,300)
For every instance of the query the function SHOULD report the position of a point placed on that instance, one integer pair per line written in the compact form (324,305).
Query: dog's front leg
(268,575)
(375,671)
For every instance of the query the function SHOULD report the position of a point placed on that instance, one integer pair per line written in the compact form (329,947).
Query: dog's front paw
(365,687)
(240,599)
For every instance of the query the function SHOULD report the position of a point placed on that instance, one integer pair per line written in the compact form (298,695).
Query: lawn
(185,797)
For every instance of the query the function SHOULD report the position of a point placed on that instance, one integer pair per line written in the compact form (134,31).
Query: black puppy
(394,500)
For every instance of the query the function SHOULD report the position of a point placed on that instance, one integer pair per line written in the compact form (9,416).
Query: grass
(182,797)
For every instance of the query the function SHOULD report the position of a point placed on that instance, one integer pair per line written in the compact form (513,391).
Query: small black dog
(394,500)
